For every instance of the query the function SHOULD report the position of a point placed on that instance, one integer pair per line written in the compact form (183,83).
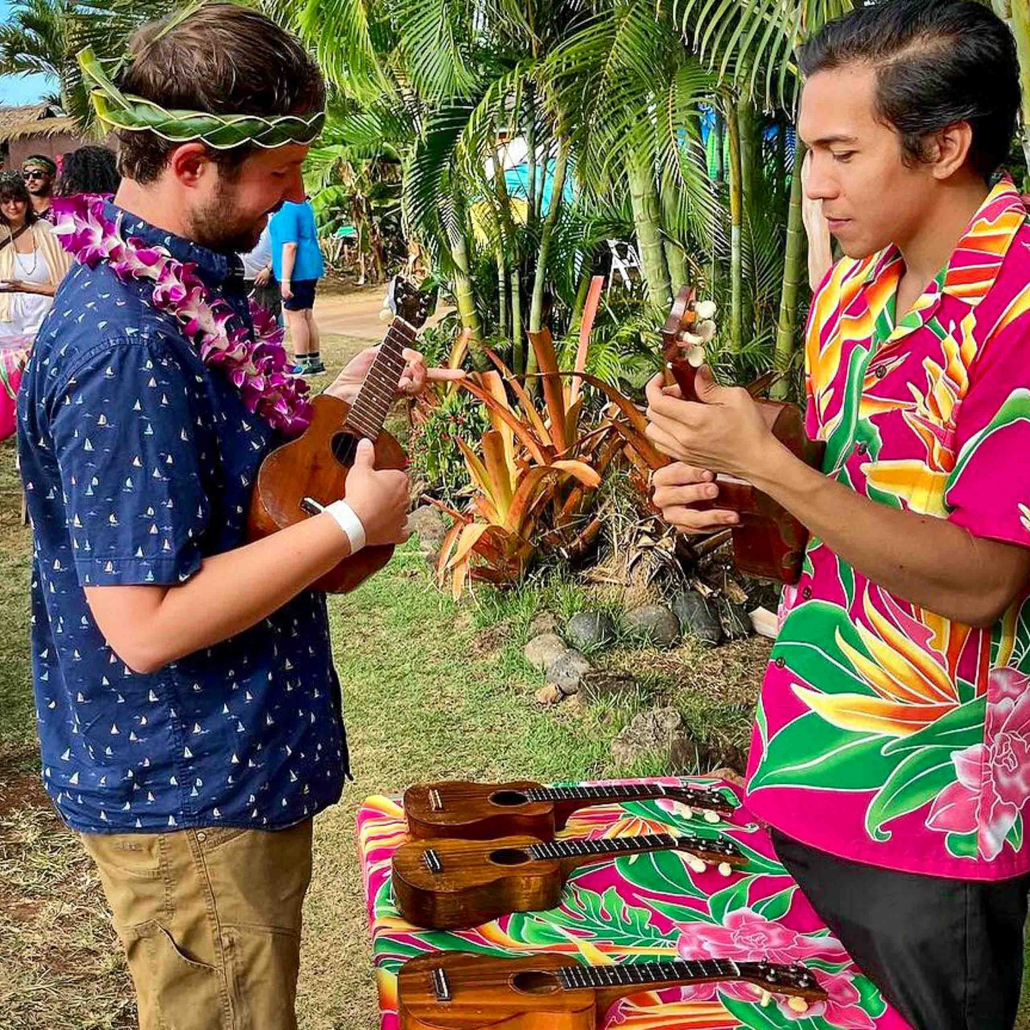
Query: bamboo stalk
(647,220)
(792,270)
(736,215)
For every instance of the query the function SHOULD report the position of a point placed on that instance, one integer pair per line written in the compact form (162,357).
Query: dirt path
(354,316)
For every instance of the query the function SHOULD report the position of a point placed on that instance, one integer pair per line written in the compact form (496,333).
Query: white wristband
(349,522)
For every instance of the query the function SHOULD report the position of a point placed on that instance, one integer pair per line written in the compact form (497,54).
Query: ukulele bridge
(435,801)
(441,986)
(432,860)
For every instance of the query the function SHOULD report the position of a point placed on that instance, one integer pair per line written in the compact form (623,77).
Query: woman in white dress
(32,261)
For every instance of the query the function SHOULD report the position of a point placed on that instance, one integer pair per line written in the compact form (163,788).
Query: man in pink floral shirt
(891,752)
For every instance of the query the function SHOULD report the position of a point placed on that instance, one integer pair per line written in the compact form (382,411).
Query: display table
(644,908)
(14,353)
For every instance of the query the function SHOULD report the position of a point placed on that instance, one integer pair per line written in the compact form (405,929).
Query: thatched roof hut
(35,129)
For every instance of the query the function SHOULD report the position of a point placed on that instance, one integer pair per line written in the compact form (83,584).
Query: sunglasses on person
(34,174)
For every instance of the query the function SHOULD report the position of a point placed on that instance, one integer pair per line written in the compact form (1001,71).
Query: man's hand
(725,432)
(678,485)
(285,289)
(264,277)
(379,498)
(413,380)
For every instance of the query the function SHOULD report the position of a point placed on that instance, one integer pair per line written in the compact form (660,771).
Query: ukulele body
(492,994)
(479,811)
(316,465)
(476,881)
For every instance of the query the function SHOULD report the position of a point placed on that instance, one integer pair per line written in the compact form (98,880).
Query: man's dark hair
(938,62)
(88,170)
(47,163)
(223,59)
(12,187)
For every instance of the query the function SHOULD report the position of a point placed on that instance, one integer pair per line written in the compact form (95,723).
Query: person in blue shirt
(297,264)
(188,710)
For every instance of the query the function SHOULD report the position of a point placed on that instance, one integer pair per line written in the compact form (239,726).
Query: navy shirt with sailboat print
(138,463)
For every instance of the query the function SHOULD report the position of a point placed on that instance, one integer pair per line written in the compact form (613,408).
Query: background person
(39,172)
(298,265)
(258,279)
(92,170)
(32,262)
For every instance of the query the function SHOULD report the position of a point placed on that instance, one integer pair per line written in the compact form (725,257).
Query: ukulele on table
(768,541)
(482,811)
(457,884)
(454,990)
(299,478)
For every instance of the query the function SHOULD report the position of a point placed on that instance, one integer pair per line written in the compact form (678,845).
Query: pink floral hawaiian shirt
(885,733)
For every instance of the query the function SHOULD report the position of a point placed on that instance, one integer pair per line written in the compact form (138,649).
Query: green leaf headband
(129,113)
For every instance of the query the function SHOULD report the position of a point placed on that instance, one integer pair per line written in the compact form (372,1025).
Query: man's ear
(191,163)
(950,150)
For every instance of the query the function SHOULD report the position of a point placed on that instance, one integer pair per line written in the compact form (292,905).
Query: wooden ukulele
(456,884)
(297,479)
(768,541)
(455,990)
(483,811)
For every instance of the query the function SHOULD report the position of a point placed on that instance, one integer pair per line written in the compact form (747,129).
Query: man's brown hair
(223,59)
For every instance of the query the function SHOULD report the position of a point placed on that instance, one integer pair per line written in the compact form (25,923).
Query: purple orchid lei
(255,364)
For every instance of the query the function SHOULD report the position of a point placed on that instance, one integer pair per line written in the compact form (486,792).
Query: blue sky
(15,89)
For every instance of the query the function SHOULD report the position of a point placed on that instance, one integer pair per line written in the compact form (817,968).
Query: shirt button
(861,448)
(781,662)
(881,371)
(201,836)
(807,593)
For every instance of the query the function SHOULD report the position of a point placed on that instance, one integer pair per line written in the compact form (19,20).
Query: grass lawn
(431,690)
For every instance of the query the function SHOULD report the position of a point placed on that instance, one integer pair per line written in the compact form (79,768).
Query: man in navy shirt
(189,714)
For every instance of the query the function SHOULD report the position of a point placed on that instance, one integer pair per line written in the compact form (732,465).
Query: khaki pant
(210,920)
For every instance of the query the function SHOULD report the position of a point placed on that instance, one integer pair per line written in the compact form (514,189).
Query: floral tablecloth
(14,352)
(643,908)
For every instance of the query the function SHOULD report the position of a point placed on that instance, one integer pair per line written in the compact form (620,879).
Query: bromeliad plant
(538,473)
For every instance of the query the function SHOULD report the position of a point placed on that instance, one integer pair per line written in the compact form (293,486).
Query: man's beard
(220,227)
(40,191)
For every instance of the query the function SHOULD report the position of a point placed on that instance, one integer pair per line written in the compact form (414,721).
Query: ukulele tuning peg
(697,865)
(796,1004)
(711,817)
(725,869)
(705,309)
(385,315)
(764,998)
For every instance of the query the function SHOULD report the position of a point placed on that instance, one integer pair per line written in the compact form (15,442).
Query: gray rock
(601,684)
(587,630)
(543,623)
(568,670)
(543,651)
(653,624)
(736,623)
(697,618)
(430,524)
(659,731)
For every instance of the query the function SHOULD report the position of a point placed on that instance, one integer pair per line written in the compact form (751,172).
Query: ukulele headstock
(705,802)
(686,330)
(720,852)
(405,300)
(794,981)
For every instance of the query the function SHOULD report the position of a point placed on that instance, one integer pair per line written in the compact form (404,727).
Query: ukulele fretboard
(372,404)
(554,849)
(646,973)
(689,795)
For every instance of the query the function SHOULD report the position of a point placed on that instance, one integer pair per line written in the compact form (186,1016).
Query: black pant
(947,954)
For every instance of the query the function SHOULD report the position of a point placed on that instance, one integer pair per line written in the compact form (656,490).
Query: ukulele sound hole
(509,856)
(535,981)
(345,446)
(508,798)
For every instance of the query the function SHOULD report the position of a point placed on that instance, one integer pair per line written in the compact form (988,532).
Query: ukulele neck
(617,981)
(375,397)
(567,800)
(574,853)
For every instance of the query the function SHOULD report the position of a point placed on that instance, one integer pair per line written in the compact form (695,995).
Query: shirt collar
(974,263)
(213,266)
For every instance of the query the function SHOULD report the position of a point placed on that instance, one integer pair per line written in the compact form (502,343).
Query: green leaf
(1015,409)
(809,752)
(870,998)
(919,778)
(843,434)
(1015,834)
(753,1016)
(776,906)
(659,872)
(808,644)
(846,576)
(729,899)
(962,845)
(962,727)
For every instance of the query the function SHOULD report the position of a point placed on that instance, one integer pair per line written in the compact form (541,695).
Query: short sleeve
(988,490)
(123,436)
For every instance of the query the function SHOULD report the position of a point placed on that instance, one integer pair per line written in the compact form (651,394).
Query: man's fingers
(695,493)
(689,520)
(679,473)
(450,375)
(665,442)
